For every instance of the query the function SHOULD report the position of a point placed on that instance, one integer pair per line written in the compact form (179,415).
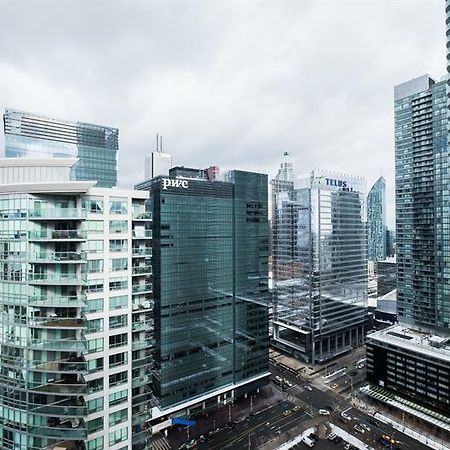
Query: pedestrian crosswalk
(161,444)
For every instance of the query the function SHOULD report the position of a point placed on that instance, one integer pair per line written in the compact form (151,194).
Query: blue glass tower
(376,221)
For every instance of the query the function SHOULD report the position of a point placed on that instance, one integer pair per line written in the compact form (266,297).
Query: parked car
(365,426)
(334,386)
(296,408)
(331,436)
(358,428)
(324,412)
(307,387)
(287,412)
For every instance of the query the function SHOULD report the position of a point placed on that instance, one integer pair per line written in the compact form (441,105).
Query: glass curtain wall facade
(29,135)
(376,221)
(320,267)
(210,252)
(422,179)
(76,328)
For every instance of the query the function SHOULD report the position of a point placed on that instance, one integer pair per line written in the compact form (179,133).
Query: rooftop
(415,340)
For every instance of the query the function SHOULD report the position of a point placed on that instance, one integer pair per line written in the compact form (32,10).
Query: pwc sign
(174,182)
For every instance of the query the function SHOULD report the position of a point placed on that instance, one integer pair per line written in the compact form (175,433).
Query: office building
(376,221)
(386,276)
(408,365)
(210,283)
(29,135)
(390,243)
(320,267)
(76,301)
(158,162)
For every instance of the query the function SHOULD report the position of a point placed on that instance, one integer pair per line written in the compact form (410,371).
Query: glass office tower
(376,221)
(210,278)
(320,267)
(29,135)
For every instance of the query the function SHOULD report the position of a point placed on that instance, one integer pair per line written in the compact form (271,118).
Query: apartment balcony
(71,365)
(141,270)
(141,381)
(74,429)
(57,235)
(58,257)
(141,252)
(57,214)
(61,387)
(62,345)
(141,288)
(76,301)
(141,362)
(71,407)
(53,278)
(141,304)
(141,215)
(142,344)
(142,326)
(144,234)
(58,322)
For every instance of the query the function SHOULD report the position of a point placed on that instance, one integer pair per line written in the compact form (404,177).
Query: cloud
(226,83)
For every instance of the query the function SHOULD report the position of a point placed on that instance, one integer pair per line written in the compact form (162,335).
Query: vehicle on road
(358,428)
(334,386)
(365,426)
(373,422)
(324,412)
(296,408)
(278,380)
(190,445)
(287,412)
(288,383)
(308,388)
(309,442)
(331,436)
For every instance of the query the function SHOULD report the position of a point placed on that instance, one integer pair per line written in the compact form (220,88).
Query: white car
(331,436)
(324,412)
(308,388)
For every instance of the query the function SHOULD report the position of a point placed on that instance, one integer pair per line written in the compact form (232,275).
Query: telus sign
(323,181)
(175,183)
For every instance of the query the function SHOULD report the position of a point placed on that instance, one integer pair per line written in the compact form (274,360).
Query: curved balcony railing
(61,301)
(72,407)
(57,213)
(57,278)
(58,257)
(60,387)
(55,428)
(76,364)
(51,235)
(58,322)
(63,345)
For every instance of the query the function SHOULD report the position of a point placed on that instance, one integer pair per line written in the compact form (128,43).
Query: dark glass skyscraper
(210,281)
(376,221)
(29,135)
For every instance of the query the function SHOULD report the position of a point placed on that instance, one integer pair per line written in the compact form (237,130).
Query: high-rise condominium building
(408,366)
(76,311)
(210,281)
(320,267)
(376,221)
(29,135)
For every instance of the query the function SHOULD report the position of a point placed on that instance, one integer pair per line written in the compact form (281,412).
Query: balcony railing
(141,270)
(61,387)
(57,213)
(57,278)
(70,429)
(72,407)
(57,235)
(144,234)
(64,345)
(62,301)
(68,365)
(142,215)
(57,322)
(142,251)
(58,257)
(138,288)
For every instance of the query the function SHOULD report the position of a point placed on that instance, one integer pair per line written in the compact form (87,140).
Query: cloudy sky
(231,83)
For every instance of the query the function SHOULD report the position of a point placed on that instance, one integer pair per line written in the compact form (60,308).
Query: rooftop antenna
(157,141)
(160,144)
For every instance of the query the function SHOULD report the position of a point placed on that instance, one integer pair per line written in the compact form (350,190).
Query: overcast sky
(230,83)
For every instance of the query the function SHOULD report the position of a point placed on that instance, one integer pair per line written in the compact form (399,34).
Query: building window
(118,264)
(118,245)
(118,378)
(116,284)
(93,206)
(95,405)
(118,206)
(118,397)
(118,417)
(118,226)
(95,265)
(118,321)
(118,302)
(118,359)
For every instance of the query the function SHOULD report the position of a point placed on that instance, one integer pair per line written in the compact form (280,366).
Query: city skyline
(211,90)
